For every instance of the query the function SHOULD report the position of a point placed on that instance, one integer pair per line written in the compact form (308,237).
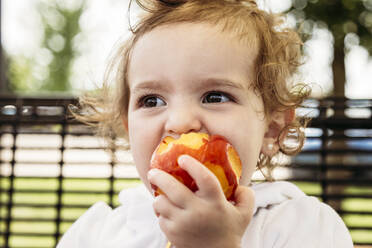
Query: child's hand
(204,218)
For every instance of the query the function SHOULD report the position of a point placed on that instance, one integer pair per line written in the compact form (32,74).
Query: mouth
(214,152)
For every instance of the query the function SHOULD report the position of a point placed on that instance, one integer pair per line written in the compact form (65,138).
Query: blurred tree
(341,17)
(49,69)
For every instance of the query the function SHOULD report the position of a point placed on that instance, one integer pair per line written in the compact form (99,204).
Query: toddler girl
(217,67)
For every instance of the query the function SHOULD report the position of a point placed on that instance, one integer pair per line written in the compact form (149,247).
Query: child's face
(192,77)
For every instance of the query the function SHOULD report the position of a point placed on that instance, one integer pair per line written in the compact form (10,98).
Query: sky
(104,24)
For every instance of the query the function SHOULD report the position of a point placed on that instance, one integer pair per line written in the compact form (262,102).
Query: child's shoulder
(129,223)
(285,214)
(286,198)
(269,194)
(88,228)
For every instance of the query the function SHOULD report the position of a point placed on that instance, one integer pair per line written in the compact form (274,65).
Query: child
(217,67)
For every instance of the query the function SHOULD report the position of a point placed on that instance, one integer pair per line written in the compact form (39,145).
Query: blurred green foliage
(49,70)
(60,24)
(341,17)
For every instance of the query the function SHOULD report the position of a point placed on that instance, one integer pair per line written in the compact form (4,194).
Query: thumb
(245,200)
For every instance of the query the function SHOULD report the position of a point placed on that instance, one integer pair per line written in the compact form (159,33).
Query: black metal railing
(53,168)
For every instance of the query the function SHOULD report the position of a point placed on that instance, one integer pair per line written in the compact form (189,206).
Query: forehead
(243,34)
(192,48)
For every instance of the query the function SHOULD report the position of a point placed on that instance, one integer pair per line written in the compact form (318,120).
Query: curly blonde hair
(278,58)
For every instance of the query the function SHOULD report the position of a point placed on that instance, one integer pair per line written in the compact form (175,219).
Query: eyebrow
(205,83)
(148,86)
(221,82)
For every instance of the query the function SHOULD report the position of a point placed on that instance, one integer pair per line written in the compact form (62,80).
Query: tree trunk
(338,67)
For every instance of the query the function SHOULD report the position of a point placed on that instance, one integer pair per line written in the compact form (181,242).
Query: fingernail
(151,173)
(181,159)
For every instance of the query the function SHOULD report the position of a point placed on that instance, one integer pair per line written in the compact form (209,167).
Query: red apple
(214,152)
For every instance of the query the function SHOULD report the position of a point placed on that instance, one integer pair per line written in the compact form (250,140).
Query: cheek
(249,150)
(141,157)
(249,159)
(143,141)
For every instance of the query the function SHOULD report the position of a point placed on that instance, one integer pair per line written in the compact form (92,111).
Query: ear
(277,121)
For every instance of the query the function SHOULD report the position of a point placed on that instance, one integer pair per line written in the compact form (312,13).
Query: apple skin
(214,152)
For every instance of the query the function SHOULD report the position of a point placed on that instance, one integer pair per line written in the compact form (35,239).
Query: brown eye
(215,97)
(151,102)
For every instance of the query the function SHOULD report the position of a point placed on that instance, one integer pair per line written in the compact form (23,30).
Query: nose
(183,119)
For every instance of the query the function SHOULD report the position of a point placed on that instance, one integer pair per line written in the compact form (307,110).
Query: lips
(214,152)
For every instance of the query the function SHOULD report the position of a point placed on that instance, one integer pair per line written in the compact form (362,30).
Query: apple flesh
(214,152)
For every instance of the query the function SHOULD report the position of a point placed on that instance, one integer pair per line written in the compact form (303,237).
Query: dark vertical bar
(323,152)
(60,178)
(2,191)
(112,177)
(341,143)
(8,219)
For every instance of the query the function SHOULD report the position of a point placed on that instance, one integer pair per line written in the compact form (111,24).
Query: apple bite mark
(214,152)
(234,160)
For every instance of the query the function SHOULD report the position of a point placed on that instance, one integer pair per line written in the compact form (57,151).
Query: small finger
(207,182)
(163,207)
(245,200)
(175,191)
(164,223)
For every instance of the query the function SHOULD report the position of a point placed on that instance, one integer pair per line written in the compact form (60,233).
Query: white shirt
(283,217)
